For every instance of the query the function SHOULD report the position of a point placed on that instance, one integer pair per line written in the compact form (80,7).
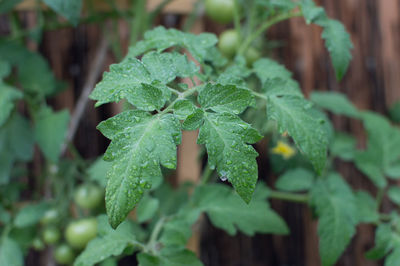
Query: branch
(95,71)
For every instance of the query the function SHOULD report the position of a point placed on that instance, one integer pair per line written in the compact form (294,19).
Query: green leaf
(30,214)
(97,171)
(5,69)
(228,212)
(335,102)
(295,116)
(7,5)
(70,9)
(147,208)
(383,149)
(139,144)
(394,194)
(383,242)
(339,45)
(335,206)
(16,143)
(297,179)
(311,12)
(10,253)
(343,146)
(183,108)
(393,258)
(394,112)
(143,83)
(227,140)
(366,207)
(34,73)
(111,243)
(51,131)
(225,98)
(160,38)
(5,216)
(169,258)
(280,87)
(268,69)
(7,97)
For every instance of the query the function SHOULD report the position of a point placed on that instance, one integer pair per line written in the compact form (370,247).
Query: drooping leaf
(295,116)
(228,212)
(339,45)
(335,102)
(10,253)
(160,39)
(311,12)
(140,143)
(335,206)
(70,9)
(225,98)
(8,96)
(109,243)
(50,132)
(227,140)
(295,180)
(143,83)
(30,214)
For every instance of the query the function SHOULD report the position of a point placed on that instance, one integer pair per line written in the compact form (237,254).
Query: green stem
(266,25)
(287,196)
(181,95)
(259,95)
(379,198)
(154,234)
(207,173)
(236,17)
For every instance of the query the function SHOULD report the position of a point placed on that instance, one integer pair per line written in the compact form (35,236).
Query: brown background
(371,83)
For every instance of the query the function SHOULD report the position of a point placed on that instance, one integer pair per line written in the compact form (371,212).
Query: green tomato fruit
(221,11)
(51,235)
(88,196)
(229,43)
(252,55)
(64,254)
(78,233)
(51,216)
(37,244)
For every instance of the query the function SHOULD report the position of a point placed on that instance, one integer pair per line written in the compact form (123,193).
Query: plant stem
(236,17)
(259,95)
(287,196)
(154,234)
(379,198)
(207,173)
(263,27)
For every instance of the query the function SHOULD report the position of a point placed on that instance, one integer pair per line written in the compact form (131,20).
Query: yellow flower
(284,149)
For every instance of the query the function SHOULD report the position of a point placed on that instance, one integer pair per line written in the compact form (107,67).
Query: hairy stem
(154,234)
(287,196)
(265,26)
(207,173)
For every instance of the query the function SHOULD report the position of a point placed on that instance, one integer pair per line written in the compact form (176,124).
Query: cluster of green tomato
(222,11)
(77,233)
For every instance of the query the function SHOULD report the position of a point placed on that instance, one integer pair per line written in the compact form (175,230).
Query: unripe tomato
(229,42)
(51,235)
(221,11)
(78,233)
(64,254)
(51,216)
(252,55)
(88,196)
(38,244)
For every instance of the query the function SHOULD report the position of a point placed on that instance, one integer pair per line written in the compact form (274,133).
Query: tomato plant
(236,99)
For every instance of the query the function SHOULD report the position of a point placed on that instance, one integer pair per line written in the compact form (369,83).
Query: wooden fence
(373,82)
